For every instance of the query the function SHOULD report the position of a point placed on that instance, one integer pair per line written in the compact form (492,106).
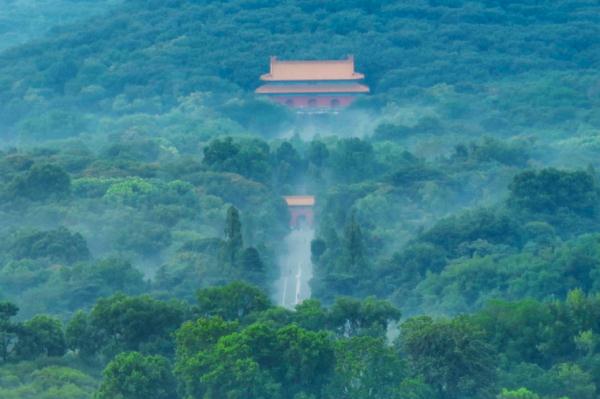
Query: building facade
(313,86)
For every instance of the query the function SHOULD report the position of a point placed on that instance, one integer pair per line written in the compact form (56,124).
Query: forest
(457,235)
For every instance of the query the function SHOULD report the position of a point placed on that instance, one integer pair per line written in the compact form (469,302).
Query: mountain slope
(152,52)
(25,20)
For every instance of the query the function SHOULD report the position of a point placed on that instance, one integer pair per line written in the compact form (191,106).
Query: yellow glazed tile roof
(300,200)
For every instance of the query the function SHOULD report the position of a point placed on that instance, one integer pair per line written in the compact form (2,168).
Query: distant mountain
(150,53)
(24,20)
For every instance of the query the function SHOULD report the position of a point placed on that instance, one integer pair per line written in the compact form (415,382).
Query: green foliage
(551,190)
(139,131)
(344,263)
(354,257)
(543,273)
(366,367)
(231,302)
(58,245)
(42,182)
(129,189)
(200,335)
(82,284)
(121,323)
(51,125)
(353,160)
(521,393)
(492,150)
(452,355)
(453,233)
(131,375)
(233,237)
(350,317)
(252,267)
(573,382)
(455,55)
(8,329)
(27,380)
(250,158)
(318,153)
(41,336)
(258,361)
(307,359)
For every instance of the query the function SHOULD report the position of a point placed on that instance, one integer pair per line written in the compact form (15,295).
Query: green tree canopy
(234,301)
(41,336)
(131,375)
(451,355)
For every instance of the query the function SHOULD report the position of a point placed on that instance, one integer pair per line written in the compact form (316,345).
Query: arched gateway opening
(301,210)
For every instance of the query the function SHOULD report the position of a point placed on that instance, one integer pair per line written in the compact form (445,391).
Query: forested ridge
(457,247)
(22,21)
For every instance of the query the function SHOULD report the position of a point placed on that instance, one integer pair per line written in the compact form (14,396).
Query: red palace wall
(300,215)
(332,101)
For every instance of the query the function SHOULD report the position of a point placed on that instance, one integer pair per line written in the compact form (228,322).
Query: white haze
(295,265)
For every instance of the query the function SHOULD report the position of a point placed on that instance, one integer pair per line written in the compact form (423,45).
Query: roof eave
(258,91)
(270,78)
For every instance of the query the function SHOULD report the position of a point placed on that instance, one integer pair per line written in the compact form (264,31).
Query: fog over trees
(145,243)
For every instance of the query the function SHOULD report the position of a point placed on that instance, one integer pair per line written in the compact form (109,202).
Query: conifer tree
(233,236)
(353,247)
(253,269)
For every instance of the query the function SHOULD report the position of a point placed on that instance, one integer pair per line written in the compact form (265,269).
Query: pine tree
(253,269)
(234,243)
(353,247)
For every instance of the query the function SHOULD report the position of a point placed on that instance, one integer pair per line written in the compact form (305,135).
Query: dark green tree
(521,393)
(318,246)
(58,245)
(306,360)
(8,328)
(81,336)
(201,335)
(353,257)
(353,160)
(366,367)
(41,336)
(43,181)
(318,153)
(500,319)
(131,375)
(219,151)
(234,301)
(350,317)
(252,267)
(451,355)
(234,243)
(249,158)
(122,322)
(289,164)
(310,315)
(224,369)
(549,190)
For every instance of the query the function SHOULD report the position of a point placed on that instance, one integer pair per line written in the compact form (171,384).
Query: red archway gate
(301,209)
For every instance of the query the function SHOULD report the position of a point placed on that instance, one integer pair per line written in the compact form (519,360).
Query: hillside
(146,250)
(25,20)
(509,66)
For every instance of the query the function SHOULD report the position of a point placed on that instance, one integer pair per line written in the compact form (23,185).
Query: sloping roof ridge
(345,60)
